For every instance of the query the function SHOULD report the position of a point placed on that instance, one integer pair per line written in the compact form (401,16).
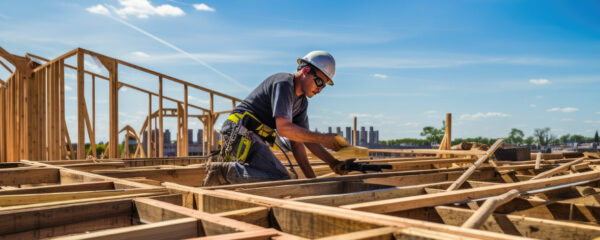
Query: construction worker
(278,103)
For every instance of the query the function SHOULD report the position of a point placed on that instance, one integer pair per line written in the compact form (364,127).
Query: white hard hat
(323,61)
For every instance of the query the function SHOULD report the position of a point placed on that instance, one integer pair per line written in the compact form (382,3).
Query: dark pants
(260,165)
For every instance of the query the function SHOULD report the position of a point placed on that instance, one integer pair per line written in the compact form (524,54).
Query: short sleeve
(282,100)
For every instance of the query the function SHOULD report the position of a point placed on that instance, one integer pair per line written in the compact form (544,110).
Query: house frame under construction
(428,193)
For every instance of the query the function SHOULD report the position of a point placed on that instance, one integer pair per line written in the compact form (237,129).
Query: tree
(565,138)
(543,136)
(529,140)
(433,134)
(577,138)
(596,138)
(515,136)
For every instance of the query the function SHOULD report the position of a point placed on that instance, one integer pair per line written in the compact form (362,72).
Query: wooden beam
(80,107)
(329,220)
(160,119)
(28,175)
(526,226)
(476,164)
(558,169)
(208,224)
(394,205)
(113,100)
(429,151)
(173,229)
(488,207)
(538,160)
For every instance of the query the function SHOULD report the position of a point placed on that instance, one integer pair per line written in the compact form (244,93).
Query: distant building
(349,135)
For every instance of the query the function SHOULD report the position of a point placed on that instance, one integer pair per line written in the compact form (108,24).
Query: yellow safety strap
(262,130)
(245,144)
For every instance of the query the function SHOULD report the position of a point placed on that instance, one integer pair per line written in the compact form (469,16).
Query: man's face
(311,89)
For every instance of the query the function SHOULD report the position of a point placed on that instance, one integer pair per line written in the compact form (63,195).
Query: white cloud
(72,98)
(532,105)
(566,119)
(541,81)
(203,7)
(411,124)
(564,110)
(431,112)
(592,121)
(138,8)
(479,115)
(597,112)
(87,65)
(139,54)
(382,76)
(67,88)
(98,9)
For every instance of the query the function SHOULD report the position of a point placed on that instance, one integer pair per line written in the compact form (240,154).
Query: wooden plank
(258,216)
(301,190)
(50,221)
(558,169)
(377,233)
(173,229)
(526,226)
(61,188)
(488,207)
(188,176)
(476,164)
(429,151)
(75,176)
(80,107)
(208,224)
(366,196)
(265,234)
(393,205)
(28,175)
(23,199)
(323,217)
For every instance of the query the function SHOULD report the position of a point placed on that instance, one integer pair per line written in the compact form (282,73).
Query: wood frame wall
(32,119)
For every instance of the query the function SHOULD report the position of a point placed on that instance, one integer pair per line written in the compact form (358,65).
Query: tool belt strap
(252,123)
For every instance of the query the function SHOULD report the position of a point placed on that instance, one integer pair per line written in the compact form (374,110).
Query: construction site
(51,189)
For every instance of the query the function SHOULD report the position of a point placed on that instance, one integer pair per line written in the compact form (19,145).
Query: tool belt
(246,124)
(252,123)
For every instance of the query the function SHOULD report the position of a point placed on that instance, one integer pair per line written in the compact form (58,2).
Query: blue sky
(401,65)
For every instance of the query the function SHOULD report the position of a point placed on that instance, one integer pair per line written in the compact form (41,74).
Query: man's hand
(332,141)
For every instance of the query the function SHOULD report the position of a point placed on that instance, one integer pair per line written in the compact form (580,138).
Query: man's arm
(286,128)
(322,153)
(302,160)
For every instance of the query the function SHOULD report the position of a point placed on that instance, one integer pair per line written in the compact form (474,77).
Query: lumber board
(429,151)
(475,165)
(372,195)
(172,229)
(187,176)
(50,221)
(28,175)
(208,224)
(93,186)
(393,205)
(258,216)
(23,199)
(367,218)
(383,233)
(526,226)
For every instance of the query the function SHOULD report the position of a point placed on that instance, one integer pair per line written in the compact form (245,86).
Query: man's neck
(298,84)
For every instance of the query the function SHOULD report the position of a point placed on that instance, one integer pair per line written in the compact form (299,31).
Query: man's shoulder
(280,77)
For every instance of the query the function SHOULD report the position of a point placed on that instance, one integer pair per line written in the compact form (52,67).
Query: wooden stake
(558,169)
(538,160)
(488,207)
(476,164)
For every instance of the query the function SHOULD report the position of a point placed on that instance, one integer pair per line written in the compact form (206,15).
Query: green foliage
(404,141)
(543,136)
(488,141)
(529,140)
(575,138)
(596,138)
(515,136)
(565,138)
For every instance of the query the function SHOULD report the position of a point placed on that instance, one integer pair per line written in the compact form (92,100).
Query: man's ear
(305,69)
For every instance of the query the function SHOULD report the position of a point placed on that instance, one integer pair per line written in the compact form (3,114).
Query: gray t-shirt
(276,97)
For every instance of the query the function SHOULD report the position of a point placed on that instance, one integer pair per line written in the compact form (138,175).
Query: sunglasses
(318,81)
